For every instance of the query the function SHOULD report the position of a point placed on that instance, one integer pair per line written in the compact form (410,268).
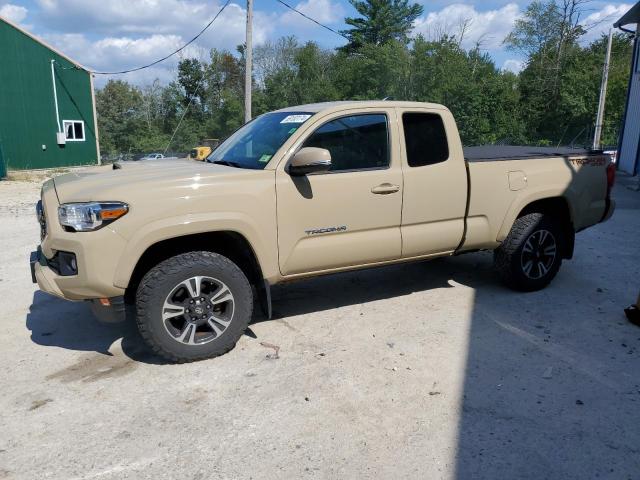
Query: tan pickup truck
(305,191)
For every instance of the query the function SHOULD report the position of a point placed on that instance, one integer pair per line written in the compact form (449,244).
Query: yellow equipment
(202,151)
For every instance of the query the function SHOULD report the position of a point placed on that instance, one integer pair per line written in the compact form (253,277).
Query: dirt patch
(37,176)
(94,367)
(39,403)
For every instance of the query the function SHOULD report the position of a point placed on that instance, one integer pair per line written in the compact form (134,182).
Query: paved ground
(430,370)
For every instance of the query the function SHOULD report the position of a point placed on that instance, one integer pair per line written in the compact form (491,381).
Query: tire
(193,306)
(531,255)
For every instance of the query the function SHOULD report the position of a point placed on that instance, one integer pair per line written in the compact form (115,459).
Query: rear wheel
(193,306)
(531,255)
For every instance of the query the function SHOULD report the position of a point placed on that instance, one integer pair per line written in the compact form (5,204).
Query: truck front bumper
(74,265)
(106,309)
(43,275)
(54,276)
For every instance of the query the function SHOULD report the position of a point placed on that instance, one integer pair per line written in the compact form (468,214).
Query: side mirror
(310,160)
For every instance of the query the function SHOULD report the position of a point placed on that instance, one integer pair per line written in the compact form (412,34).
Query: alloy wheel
(198,310)
(538,254)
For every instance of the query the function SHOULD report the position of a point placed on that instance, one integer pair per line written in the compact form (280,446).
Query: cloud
(144,18)
(134,43)
(123,53)
(110,35)
(324,11)
(488,28)
(13,13)
(124,16)
(599,23)
(512,65)
(123,34)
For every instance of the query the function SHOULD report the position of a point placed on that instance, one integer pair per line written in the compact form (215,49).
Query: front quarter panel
(242,201)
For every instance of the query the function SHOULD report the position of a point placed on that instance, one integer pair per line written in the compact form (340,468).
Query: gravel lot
(430,370)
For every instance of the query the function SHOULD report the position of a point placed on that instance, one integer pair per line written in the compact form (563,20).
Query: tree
(548,34)
(381,21)
(552,101)
(377,72)
(191,77)
(118,105)
(482,98)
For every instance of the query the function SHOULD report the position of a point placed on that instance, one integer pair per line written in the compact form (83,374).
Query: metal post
(95,117)
(603,94)
(248,56)
(55,94)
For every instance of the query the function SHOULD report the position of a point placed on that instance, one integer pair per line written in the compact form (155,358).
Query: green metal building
(47,105)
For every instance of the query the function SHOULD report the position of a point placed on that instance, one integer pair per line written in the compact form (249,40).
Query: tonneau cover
(513,152)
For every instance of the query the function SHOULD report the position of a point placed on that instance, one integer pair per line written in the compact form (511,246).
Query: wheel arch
(559,208)
(230,244)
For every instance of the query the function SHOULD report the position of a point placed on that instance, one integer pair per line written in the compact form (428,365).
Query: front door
(350,215)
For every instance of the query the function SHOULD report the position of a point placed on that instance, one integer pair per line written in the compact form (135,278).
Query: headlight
(85,217)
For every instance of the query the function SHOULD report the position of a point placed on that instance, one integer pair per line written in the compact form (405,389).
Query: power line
(313,20)
(173,53)
(184,113)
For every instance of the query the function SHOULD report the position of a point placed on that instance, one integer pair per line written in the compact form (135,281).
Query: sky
(110,35)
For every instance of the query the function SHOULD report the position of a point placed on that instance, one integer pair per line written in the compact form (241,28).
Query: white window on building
(74,130)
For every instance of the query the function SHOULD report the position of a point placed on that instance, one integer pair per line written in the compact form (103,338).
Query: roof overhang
(44,44)
(632,16)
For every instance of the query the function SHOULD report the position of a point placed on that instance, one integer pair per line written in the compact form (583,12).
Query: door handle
(385,189)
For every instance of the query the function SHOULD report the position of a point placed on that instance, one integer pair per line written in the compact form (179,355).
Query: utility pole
(603,94)
(248,67)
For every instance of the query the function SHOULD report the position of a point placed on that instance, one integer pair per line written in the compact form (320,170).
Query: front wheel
(193,306)
(531,255)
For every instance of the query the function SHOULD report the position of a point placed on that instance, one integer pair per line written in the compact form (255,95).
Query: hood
(129,180)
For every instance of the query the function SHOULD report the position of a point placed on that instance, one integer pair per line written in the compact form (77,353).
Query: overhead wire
(199,34)
(312,19)
(121,72)
(172,53)
(184,113)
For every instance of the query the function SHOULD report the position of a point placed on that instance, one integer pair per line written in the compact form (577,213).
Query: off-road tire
(509,260)
(159,282)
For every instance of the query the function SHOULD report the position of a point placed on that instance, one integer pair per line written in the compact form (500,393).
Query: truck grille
(42,219)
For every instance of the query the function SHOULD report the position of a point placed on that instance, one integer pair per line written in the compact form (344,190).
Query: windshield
(253,145)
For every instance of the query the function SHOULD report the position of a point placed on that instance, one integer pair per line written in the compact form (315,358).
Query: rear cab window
(425,139)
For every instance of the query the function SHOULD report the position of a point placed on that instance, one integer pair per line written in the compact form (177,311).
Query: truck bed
(487,153)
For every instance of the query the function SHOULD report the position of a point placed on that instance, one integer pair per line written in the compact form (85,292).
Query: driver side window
(356,142)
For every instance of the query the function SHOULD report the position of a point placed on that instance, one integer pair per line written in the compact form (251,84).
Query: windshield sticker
(292,130)
(265,158)
(296,118)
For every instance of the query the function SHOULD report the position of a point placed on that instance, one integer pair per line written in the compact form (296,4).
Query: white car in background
(153,156)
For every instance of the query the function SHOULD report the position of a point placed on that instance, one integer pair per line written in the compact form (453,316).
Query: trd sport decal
(320,231)
(591,162)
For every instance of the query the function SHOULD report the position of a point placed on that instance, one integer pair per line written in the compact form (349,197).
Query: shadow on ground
(551,387)
(54,322)
(71,325)
(552,378)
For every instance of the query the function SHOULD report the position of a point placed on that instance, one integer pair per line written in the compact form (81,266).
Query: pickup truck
(304,191)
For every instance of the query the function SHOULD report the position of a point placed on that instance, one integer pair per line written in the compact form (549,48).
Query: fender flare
(184,225)
(527,198)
